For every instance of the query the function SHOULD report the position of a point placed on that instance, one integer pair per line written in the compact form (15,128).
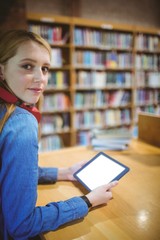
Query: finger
(83,161)
(111,185)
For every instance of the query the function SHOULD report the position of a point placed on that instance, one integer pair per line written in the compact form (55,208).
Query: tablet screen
(100,170)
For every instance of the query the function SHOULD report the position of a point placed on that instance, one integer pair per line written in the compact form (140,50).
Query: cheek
(46,80)
(14,79)
(24,78)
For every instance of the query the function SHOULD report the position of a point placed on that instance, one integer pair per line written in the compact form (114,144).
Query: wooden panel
(12,14)
(149,128)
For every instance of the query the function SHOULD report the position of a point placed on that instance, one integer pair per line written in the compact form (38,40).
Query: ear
(1,72)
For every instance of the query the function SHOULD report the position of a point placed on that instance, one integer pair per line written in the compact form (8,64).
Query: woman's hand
(67,173)
(102,194)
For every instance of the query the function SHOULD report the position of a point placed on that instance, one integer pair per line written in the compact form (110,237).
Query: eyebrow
(34,61)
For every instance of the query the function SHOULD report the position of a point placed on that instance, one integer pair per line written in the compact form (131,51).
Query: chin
(32,102)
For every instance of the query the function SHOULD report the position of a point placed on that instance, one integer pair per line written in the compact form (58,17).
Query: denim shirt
(20,218)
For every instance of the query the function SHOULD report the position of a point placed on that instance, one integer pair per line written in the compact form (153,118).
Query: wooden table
(134,212)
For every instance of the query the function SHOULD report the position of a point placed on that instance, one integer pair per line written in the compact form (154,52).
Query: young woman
(24,67)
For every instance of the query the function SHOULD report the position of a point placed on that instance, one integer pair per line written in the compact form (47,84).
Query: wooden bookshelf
(147,71)
(99,76)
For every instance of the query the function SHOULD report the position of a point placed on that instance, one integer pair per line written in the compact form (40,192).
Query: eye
(45,69)
(27,66)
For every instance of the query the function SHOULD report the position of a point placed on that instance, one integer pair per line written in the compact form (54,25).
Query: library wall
(12,14)
(54,7)
(144,12)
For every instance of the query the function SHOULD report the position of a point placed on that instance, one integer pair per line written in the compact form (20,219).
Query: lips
(36,90)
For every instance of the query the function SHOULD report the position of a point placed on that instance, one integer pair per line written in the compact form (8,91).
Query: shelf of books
(56,107)
(103,64)
(102,75)
(147,72)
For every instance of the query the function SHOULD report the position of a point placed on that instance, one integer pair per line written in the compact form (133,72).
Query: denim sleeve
(19,179)
(47,175)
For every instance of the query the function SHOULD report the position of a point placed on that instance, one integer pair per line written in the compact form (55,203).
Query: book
(116,139)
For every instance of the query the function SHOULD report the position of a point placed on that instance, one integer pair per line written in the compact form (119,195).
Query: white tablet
(100,170)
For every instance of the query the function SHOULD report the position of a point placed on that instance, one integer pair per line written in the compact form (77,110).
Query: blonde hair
(10,108)
(10,41)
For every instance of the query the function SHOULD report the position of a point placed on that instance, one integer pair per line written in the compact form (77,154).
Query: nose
(38,75)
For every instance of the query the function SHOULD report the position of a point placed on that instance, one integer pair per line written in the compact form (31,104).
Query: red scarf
(8,97)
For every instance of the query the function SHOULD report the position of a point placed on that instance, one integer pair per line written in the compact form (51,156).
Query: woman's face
(27,72)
